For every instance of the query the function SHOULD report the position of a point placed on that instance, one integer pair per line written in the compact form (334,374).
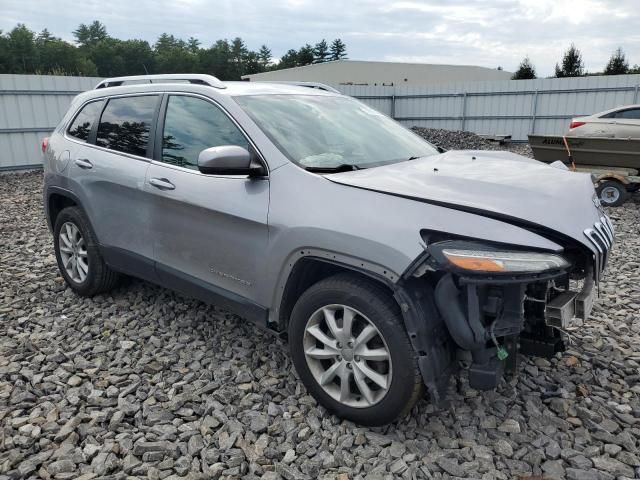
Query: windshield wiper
(343,167)
(417,157)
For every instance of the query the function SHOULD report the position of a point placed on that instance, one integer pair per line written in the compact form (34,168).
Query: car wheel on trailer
(351,350)
(612,193)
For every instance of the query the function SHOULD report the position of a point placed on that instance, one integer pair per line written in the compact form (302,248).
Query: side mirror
(229,160)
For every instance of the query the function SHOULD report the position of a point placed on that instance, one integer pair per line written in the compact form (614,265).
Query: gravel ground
(145,383)
(459,140)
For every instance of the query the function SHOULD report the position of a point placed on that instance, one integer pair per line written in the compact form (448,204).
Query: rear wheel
(350,348)
(78,256)
(612,193)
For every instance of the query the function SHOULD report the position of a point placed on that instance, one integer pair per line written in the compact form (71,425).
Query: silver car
(387,264)
(619,122)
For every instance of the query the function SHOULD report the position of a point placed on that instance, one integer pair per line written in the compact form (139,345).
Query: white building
(359,72)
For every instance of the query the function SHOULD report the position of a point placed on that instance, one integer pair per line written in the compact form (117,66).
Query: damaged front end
(495,301)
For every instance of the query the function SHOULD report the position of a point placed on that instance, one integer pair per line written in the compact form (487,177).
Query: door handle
(84,163)
(162,184)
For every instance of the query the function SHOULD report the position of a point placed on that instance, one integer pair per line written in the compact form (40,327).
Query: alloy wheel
(73,252)
(347,356)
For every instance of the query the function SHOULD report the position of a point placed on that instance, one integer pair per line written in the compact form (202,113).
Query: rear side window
(81,126)
(125,124)
(633,113)
(192,125)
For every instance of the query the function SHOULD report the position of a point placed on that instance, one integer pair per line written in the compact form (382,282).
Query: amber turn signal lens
(503,261)
(477,264)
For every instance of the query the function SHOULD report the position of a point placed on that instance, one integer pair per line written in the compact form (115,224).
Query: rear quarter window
(632,113)
(82,124)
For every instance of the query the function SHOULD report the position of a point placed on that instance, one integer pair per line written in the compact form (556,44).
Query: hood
(500,184)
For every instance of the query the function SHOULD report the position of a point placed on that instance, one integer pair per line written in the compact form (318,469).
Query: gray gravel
(145,383)
(459,140)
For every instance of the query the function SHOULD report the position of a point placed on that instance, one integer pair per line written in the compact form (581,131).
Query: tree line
(572,65)
(96,53)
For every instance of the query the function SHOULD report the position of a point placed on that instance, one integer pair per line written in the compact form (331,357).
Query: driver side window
(191,125)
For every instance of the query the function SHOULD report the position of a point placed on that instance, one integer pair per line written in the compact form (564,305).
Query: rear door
(626,123)
(209,232)
(109,167)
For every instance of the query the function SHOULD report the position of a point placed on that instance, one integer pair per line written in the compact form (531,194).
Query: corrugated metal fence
(32,105)
(511,107)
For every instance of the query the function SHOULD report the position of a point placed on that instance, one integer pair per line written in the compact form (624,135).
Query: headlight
(496,261)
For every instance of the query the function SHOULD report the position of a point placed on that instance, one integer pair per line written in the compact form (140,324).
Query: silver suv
(387,263)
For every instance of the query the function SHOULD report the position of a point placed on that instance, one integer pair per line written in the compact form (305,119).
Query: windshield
(317,131)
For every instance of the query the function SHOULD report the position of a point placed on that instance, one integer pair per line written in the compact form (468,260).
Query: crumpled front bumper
(571,307)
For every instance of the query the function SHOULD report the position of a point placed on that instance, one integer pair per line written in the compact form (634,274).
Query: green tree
(172,55)
(57,57)
(87,68)
(306,55)
(338,50)
(94,52)
(216,60)
(264,56)
(618,64)
(635,69)
(252,63)
(90,35)
(193,44)
(238,50)
(107,57)
(572,65)
(45,36)
(239,57)
(137,57)
(525,71)
(288,60)
(5,60)
(321,52)
(114,57)
(22,50)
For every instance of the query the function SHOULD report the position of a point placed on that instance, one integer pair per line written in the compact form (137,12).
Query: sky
(487,33)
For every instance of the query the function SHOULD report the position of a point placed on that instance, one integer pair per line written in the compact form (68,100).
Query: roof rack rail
(317,85)
(196,78)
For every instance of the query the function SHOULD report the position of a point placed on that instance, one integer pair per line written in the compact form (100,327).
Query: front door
(210,232)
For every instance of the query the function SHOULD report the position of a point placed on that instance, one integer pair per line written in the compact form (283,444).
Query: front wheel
(351,350)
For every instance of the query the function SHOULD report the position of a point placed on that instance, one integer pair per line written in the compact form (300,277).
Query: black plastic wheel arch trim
(428,334)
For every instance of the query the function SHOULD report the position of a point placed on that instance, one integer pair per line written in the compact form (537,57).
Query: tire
(98,277)
(612,193)
(367,303)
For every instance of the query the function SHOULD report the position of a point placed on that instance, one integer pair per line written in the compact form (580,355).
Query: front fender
(373,231)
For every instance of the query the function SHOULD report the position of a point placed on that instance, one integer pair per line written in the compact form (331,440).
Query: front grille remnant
(601,236)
